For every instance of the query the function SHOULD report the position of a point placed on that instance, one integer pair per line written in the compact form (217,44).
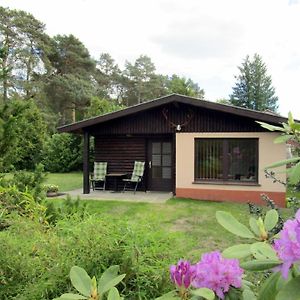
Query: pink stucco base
(232,195)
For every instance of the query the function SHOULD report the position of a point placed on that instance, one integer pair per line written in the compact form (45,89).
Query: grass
(194,221)
(65,181)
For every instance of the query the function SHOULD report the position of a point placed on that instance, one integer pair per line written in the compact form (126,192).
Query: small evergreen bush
(62,153)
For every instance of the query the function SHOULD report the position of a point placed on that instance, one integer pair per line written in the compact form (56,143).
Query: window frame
(225,180)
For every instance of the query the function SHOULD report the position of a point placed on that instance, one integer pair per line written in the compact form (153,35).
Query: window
(232,159)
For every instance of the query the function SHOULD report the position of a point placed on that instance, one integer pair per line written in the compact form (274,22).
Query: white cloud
(200,38)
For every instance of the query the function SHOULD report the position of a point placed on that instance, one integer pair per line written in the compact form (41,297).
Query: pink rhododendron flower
(217,273)
(287,246)
(183,273)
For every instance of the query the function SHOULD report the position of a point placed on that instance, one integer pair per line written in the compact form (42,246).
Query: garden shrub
(29,182)
(22,135)
(65,209)
(35,260)
(62,153)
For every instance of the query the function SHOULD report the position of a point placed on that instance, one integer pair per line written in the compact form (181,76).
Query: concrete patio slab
(149,197)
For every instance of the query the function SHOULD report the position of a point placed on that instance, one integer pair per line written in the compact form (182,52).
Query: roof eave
(79,127)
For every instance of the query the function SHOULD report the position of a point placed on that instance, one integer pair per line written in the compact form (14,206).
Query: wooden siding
(179,102)
(120,154)
(162,120)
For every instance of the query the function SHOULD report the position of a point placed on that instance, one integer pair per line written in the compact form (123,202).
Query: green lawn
(65,181)
(194,221)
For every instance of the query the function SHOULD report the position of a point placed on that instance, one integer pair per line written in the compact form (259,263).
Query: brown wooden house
(194,148)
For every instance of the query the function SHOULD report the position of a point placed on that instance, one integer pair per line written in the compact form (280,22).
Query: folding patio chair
(99,175)
(136,176)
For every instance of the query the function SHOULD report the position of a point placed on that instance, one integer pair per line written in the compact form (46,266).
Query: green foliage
(23,203)
(234,226)
(99,107)
(87,286)
(260,265)
(183,86)
(22,133)
(62,153)
(253,88)
(290,290)
(24,181)
(51,188)
(260,230)
(268,289)
(238,251)
(22,194)
(109,77)
(262,258)
(70,56)
(204,293)
(72,181)
(69,94)
(59,74)
(140,81)
(223,101)
(24,59)
(35,261)
(260,212)
(263,250)
(66,209)
(290,134)
(109,279)
(71,87)
(271,219)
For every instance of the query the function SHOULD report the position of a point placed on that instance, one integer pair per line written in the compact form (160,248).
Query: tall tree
(70,56)
(183,86)
(71,86)
(24,47)
(254,88)
(69,95)
(108,77)
(223,101)
(99,107)
(141,81)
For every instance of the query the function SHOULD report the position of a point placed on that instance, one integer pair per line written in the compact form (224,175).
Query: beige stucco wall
(268,154)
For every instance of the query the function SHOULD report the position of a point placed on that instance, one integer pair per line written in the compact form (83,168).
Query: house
(195,148)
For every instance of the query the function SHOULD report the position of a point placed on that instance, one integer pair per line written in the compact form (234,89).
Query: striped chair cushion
(100,169)
(138,171)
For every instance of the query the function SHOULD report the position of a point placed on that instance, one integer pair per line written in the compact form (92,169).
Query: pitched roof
(235,110)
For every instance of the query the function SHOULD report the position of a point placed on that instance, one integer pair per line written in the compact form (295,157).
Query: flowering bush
(218,273)
(183,274)
(213,272)
(287,246)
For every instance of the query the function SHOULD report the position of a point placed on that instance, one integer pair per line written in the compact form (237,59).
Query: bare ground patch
(188,224)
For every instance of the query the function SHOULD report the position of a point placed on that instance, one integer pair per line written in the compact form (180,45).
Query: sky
(205,40)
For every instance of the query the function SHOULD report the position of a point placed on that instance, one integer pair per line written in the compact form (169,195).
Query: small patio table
(116,177)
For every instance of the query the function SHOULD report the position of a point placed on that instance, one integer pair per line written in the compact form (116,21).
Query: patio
(128,196)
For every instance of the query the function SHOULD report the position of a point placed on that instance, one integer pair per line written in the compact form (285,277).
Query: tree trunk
(5,81)
(29,67)
(6,46)
(74,113)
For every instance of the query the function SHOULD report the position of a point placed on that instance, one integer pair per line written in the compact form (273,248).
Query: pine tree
(254,88)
